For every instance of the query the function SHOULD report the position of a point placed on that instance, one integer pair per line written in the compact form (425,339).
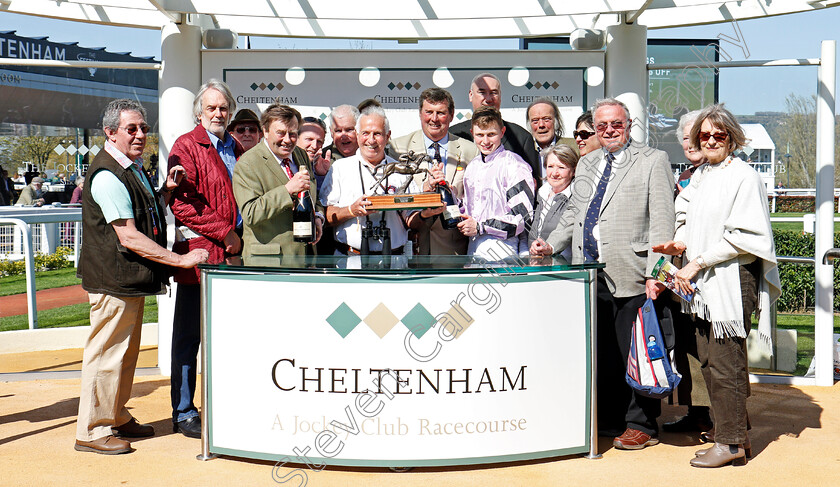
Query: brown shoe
(107,445)
(633,439)
(720,455)
(133,429)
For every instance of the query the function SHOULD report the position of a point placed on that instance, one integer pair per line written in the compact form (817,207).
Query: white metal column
(180,78)
(824,235)
(626,73)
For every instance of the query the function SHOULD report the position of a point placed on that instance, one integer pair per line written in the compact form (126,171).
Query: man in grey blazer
(622,201)
(437,108)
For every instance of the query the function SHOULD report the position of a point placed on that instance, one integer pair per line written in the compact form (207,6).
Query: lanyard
(373,175)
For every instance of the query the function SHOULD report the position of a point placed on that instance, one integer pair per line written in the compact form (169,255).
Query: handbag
(651,370)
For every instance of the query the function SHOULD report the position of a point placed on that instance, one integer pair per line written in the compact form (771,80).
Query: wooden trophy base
(405,201)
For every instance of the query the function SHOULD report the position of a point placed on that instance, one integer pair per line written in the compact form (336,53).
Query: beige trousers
(108,364)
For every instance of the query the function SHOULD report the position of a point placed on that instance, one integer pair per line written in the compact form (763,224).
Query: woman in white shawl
(723,226)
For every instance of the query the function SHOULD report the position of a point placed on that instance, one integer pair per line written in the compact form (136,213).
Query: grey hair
(563,152)
(80,180)
(485,75)
(111,116)
(687,120)
(343,111)
(558,122)
(603,102)
(221,87)
(373,110)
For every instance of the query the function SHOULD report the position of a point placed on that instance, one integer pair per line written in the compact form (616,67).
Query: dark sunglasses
(246,128)
(615,124)
(315,120)
(718,136)
(583,134)
(132,129)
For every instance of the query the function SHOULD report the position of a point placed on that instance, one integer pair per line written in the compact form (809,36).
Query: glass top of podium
(396,264)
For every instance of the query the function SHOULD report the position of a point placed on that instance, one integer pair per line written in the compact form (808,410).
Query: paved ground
(47,299)
(794,441)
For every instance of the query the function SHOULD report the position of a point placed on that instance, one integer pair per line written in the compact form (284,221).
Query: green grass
(804,326)
(73,315)
(796,226)
(43,280)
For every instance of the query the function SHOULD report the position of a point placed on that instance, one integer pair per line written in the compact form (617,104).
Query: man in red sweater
(205,217)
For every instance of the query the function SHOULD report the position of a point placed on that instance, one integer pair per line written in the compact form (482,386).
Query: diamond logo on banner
(71,150)
(343,320)
(95,150)
(381,320)
(418,320)
(59,149)
(83,150)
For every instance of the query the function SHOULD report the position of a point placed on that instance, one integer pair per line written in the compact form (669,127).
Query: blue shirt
(225,150)
(430,148)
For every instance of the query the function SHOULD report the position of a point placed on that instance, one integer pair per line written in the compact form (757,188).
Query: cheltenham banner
(398,370)
(314,82)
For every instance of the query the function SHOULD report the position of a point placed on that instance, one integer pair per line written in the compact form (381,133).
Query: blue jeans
(186,338)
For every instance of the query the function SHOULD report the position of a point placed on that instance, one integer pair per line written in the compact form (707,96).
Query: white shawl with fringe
(723,216)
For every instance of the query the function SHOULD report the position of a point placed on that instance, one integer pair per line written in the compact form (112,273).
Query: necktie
(590,245)
(287,167)
(436,157)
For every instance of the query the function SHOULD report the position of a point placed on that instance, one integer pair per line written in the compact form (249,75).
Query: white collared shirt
(621,156)
(343,186)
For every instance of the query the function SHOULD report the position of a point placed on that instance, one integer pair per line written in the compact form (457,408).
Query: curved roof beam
(409,19)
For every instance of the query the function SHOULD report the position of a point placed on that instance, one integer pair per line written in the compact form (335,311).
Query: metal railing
(24,218)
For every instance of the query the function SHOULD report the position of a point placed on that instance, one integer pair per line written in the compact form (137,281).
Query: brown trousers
(724,365)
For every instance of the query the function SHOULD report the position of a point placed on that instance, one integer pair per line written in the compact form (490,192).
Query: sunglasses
(615,124)
(583,134)
(132,129)
(718,136)
(246,128)
(316,121)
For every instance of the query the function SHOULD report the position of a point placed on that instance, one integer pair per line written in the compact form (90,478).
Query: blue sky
(745,90)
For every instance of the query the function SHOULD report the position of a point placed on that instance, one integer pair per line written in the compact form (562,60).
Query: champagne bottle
(303,219)
(451,216)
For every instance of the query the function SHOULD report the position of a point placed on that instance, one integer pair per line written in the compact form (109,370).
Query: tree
(797,136)
(36,149)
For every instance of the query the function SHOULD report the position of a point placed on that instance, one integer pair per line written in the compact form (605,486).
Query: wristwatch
(700,261)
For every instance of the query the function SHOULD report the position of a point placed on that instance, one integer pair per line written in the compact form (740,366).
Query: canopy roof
(409,19)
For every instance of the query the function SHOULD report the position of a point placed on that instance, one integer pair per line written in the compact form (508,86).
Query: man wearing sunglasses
(123,260)
(245,128)
(622,201)
(206,217)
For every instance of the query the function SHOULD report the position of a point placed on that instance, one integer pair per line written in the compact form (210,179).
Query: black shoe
(687,424)
(133,429)
(189,427)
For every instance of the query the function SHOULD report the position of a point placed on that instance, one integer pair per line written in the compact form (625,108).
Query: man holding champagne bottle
(450,155)
(275,189)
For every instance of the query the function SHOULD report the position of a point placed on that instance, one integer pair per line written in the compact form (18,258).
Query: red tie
(287,167)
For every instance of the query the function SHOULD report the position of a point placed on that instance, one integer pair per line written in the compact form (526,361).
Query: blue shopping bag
(650,365)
